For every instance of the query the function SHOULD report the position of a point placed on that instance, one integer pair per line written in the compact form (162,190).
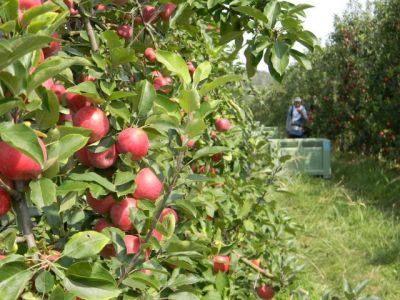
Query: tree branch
(89,29)
(156,216)
(21,209)
(250,264)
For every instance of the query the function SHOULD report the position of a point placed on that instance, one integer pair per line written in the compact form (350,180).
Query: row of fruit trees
(128,170)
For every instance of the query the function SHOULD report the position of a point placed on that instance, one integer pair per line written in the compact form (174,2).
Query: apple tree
(128,169)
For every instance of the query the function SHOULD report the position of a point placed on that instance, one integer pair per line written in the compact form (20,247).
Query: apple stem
(156,216)
(250,264)
(89,29)
(21,210)
(146,25)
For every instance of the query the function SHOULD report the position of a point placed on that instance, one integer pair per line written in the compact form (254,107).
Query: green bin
(309,156)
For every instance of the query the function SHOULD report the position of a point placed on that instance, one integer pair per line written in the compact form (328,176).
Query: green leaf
(189,100)
(299,9)
(22,138)
(272,10)
(150,281)
(71,186)
(42,192)
(280,56)
(112,39)
(252,12)
(183,279)
(212,295)
(183,296)
(7,104)
(85,244)
(13,49)
(15,77)
(42,22)
(87,89)
(9,9)
(120,94)
(301,58)
(52,67)
(146,94)
(195,127)
(12,287)
(49,113)
(208,151)
(221,282)
(120,56)
(37,11)
(212,3)
(90,281)
(8,26)
(93,177)
(119,109)
(175,64)
(202,72)
(182,262)
(218,82)
(71,143)
(44,282)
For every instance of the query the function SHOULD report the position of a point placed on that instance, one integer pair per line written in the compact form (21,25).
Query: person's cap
(297,99)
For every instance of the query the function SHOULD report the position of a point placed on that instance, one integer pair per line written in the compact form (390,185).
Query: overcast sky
(320,18)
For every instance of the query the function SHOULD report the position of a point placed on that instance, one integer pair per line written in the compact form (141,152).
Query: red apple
(100,7)
(157,235)
(48,84)
(120,213)
(5,202)
(82,156)
(125,31)
(103,160)
(265,292)
(222,124)
(187,142)
(27,4)
(148,186)
(59,90)
(137,20)
(102,205)
(53,48)
(150,54)
(17,166)
(160,82)
(156,74)
(167,211)
(92,118)
(213,134)
(134,141)
(216,157)
(71,6)
(2,257)
(108,251)
(191,67)
(221,263)
(86,77)
(132,244)
(167,10)
(64,118)
(101,224)
(255,262)
(149,13)
(75,101)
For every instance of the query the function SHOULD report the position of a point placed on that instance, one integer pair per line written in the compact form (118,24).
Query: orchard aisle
(351,227)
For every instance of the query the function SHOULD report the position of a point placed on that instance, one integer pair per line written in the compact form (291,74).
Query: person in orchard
(296,119)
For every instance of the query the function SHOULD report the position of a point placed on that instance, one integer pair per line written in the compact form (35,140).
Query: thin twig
(156,216)
(89,29)
(250,264)
(146,25)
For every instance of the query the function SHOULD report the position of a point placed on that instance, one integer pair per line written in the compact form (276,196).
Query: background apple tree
(128,169)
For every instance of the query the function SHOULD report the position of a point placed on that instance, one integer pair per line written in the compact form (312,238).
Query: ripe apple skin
(53,48)
(132,244)
(102,205)
(187,142)
(2,257)
(120,213)
(167,211)
(82,156)
(101,224)
(27,4)
(222,124)
(265,292)
(103,160)
(149,13)
(191,67)
(100,7)
(64,118)
(5,202)
(148,186)
(160,82)
(134,141)
(255,262)
(125,31)
(86,77)
(157,235)
(167,11)
(108,251)
(221,263)
(17,166)
(92,118)
(75,101)
(216,157)
(213,135)
(58,90)
(150,54)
